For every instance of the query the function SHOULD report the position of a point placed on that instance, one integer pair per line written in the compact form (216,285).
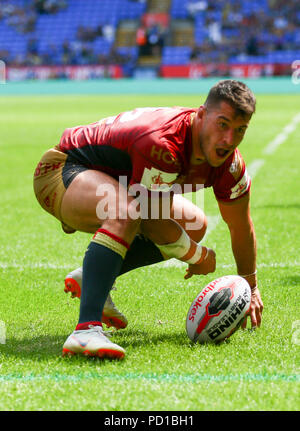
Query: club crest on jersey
(155,179)
(241,187)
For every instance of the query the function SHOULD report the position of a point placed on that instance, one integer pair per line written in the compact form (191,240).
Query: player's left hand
(256,309)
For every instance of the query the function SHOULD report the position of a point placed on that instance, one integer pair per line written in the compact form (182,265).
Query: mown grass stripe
(152,377)
(171,262)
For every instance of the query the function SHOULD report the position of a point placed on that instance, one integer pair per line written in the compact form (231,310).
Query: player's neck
(197,156)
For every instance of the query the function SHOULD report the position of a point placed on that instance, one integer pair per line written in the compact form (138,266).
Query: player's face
(217,132)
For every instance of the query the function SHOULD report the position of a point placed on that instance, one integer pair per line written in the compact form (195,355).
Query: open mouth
(221,152)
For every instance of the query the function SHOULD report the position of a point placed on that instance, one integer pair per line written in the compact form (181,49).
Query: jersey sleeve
(234,181)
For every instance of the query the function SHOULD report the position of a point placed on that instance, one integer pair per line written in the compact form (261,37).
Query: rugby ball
(218,310)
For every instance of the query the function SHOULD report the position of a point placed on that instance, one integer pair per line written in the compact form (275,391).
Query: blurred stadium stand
(154,37)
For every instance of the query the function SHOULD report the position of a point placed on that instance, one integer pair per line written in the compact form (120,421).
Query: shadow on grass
(37,347)
(290,280)
(42,347)
(138,338)
(48,347)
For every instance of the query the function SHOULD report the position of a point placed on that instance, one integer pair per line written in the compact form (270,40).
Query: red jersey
(152,147)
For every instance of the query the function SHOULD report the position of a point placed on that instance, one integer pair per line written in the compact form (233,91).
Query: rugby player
(108,178)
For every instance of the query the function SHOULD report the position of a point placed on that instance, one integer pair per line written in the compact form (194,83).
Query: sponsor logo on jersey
(155,179)
(162,155)
(241,187)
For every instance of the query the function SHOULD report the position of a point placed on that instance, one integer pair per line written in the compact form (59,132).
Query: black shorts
(70,170)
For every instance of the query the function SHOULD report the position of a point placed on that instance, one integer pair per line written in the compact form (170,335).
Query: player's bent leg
(190,217)
(86,207)
(76,207)
(93,198)
(111,316)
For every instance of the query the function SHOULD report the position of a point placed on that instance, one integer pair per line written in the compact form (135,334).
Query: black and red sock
(101,265)
(142,252)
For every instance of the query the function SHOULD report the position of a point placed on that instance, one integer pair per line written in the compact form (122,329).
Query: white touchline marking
(34,265)
(212,223)
(281,137)
(26,266)
(178,264)
(255,166)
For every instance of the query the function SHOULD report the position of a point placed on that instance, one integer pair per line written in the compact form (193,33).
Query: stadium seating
(176,55)
(223,27)
(52,30)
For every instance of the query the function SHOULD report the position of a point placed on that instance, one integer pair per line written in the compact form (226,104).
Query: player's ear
(200,112)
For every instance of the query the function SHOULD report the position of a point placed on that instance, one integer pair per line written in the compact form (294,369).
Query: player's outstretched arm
(243,241)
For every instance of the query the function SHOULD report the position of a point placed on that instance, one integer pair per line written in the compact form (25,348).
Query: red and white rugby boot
(111,316)
(92,342)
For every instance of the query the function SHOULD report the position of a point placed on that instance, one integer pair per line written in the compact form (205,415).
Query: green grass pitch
(254,370)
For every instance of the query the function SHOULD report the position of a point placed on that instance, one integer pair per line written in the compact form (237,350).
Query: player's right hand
(208,265)
(256,309)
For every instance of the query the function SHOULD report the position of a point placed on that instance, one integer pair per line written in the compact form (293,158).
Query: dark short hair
(236,93)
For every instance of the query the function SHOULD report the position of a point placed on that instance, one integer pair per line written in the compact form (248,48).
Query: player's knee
(125,222)
(129,212)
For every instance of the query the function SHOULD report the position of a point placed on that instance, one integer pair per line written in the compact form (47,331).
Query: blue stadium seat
(52,30)
(178,9)
(130,51)
(101,46)
(63,26)
(176,55)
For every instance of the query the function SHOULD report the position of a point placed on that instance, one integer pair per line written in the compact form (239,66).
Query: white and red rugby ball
(218,309)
